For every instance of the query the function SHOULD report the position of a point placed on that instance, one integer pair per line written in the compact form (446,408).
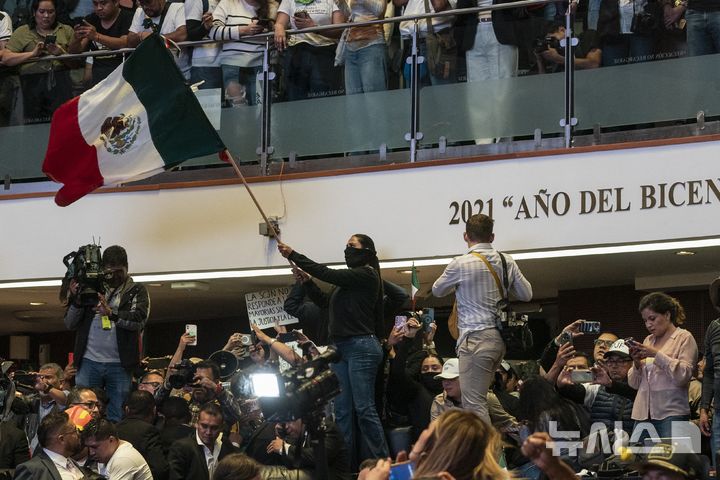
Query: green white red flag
(141,120)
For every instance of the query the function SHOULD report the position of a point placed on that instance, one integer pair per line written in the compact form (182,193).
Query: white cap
(451,370)
(618,348)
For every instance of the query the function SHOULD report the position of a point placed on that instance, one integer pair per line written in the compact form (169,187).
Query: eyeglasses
(151,384)
(88,405)
(604,343)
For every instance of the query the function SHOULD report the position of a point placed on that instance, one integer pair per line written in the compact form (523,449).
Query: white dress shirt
(66,467)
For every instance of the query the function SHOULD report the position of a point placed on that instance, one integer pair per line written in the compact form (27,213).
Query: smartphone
(631,342)
(581,376)
(302,14)
(593,328)
(287,337)
(402,471)
(401,322)
(50,39)
(71,358)
(427,318)
(565,337)
(192,330)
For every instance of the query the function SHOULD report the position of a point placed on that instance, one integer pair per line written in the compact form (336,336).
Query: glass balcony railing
(482,99)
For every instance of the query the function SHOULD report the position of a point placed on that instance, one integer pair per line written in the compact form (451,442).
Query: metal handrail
(336,26)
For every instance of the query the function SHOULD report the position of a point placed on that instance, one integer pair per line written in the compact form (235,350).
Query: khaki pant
(479,355)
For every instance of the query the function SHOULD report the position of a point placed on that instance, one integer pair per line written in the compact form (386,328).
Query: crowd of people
(359,59)
(377,396)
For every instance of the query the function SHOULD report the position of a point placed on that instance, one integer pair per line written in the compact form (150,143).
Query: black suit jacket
(14,448)
(146,440)
(187,459)
(504,22)
(40,467)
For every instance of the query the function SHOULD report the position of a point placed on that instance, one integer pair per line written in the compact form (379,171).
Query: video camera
(183,375)
(298,392)
(86,268)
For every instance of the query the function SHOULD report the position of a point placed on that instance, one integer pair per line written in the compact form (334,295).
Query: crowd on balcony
(366,384)
(359,59)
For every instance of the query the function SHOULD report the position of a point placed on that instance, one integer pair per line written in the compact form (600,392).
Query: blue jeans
(211,75)
(112,377)
(365,69)
(627,48)
(662,427)
(703,32)
(360,358)
(241,85)
(426,78)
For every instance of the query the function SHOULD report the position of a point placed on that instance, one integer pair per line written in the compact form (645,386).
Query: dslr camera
(86,268)
(546,43)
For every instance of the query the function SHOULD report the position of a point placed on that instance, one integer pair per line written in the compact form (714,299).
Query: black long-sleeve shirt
(353,304)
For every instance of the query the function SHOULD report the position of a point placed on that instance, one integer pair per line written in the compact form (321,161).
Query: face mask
(429,381)
(356,257)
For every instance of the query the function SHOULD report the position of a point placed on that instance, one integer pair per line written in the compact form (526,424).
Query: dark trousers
(309,72)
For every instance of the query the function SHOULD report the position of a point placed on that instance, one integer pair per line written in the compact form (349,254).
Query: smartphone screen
(402,471)
(592,328)
(581,376)
(192,330)
(71,358)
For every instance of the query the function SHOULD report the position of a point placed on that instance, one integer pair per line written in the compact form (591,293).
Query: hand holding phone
(402,471)
(581,376)
(401,323)
(192,331)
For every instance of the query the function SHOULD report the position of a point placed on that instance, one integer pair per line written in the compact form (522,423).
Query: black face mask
(356,257)
(429,381)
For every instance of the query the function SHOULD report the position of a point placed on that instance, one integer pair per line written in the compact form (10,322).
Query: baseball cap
(664,456)
(618,348)
(450,371)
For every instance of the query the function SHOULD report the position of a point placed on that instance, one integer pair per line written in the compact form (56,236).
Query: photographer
(293,456)
(108,334)
(551,56)
(48,397)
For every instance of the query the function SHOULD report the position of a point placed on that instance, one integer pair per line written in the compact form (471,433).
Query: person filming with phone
(662,364)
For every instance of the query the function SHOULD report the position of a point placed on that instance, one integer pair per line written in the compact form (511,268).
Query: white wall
(406,211)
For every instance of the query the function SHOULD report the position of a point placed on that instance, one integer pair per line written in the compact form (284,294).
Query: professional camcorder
(547,42)
(86,268)
(183,375)
(299,392)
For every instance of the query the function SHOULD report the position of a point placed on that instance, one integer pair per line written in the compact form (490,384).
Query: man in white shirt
(59,440)
(165,18)
(472,276)
(118,459)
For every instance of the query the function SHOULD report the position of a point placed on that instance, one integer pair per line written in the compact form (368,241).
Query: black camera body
(148,24)
(86,268)
(546,43)
(183,375)
(304,390)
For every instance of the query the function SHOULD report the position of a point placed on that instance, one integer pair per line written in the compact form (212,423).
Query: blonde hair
(464,446)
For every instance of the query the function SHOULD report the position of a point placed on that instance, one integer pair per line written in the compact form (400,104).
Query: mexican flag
(141,120)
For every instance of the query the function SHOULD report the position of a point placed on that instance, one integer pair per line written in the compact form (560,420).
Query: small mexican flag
(141,120)
(414,285)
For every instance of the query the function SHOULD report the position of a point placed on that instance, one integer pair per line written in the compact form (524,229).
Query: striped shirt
(5,26)
(476,292)
(227,17)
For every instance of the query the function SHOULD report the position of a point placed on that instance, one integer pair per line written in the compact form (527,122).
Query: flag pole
(234,164)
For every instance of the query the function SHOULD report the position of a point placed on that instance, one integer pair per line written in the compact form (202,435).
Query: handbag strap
(492,270)
(428,20)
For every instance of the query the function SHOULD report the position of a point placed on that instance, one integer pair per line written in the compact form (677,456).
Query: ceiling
(224,298)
